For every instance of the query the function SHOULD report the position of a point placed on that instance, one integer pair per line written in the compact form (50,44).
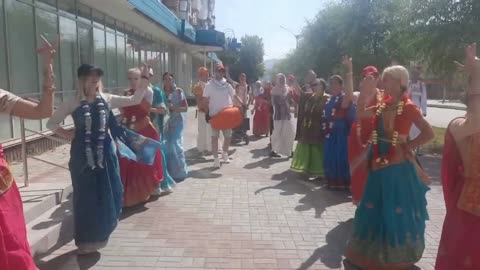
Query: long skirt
(97,196)
(283,137)
(335,163)
(168,183)
(357,157)
(261,123)
(389,223)
(460,237)
(176,161)
(308,159)
(141,180)
(204,137)
(14,247)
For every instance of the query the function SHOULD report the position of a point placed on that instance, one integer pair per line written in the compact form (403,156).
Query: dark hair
(167,74)
(337,78)
(242,74)
(323,83)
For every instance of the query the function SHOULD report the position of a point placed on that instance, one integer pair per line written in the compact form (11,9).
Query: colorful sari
(14,247)
(176,162)
(339,120)
(140,180)
(461,188)
(158,120)
(308,155)
(389,224)
(261,119)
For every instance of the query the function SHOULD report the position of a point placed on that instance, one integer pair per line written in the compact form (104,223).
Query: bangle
(145,77)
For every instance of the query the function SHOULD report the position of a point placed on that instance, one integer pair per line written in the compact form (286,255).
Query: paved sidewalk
(251,214)
(448,104)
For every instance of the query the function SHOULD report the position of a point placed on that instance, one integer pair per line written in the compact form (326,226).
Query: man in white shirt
(220,95)
(418,94)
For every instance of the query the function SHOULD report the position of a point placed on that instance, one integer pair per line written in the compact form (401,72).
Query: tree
(250,59)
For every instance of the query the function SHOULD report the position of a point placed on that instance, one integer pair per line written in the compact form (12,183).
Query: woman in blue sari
(174,126)
(159,111)
(339,115)
(94,167)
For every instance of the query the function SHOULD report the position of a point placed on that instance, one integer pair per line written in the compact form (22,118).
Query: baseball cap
(202,70)
(87,69)
(220,68)
(370,71)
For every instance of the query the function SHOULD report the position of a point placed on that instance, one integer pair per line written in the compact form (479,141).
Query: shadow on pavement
(71,261)
(207,173)
(432,166)
(265,163)
(331,254)
(258,153)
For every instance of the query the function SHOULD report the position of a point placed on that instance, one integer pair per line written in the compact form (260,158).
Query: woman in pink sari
(14,247)
(459,245)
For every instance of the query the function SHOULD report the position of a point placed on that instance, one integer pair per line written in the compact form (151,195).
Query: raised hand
(48,51)
(347,62)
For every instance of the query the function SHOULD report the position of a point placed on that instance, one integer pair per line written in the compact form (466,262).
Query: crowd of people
(363,141)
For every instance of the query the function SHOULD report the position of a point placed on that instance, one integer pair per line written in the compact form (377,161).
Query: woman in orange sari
(358,142)
(461,181)
(140,180)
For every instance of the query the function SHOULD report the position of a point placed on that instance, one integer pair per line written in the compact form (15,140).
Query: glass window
(47,4)
(85,37)
(111,75)
(21,41)
(98,18)
(6,130)
(67,8)
(121,62)
(99,47)
(130,52)
(69,57)
(84,14)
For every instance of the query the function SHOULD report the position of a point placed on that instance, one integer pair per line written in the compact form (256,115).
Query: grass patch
(436,145)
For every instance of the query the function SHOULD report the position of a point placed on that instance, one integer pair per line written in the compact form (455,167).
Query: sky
(264,18)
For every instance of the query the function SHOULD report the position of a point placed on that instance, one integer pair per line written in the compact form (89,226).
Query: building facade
(113,34)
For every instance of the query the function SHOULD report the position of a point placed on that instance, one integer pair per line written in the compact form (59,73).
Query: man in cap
(219,95)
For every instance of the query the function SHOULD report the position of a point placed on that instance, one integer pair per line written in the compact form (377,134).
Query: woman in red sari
(459,245)
(358,142)
(261,111)
(14,247)
(140,180)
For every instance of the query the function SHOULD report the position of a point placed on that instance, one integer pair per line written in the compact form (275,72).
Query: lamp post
(297,36)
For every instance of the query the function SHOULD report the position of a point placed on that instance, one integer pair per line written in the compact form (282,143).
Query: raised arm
(125,101)
(43,109)
(347,100)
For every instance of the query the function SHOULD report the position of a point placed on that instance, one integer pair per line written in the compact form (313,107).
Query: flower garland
(379,98)
(327,128)
(88,132)
(385,159)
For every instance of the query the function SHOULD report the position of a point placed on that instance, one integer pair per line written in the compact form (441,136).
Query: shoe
(274,155)
(216,163)
(167,191)
(156,192)
(225,158)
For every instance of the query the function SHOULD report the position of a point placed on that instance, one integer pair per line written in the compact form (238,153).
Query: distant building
(113,34)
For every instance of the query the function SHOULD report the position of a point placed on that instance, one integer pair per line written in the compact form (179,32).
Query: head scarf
(280,89)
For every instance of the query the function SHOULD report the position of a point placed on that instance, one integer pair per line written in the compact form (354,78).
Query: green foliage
(250,59)
(377,32)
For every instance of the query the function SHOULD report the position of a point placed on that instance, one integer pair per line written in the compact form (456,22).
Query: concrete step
(41,197)
(53,228)
(48,214)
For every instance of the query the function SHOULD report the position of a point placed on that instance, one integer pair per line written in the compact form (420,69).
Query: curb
(452,107)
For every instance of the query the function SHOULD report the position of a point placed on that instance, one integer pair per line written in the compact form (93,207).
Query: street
(441,117)
(251,214)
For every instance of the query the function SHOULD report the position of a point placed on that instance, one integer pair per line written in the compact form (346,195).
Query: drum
(227,119)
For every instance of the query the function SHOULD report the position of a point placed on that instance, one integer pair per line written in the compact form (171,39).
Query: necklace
(86,107)
(327,124)
(385,159)
(379,98)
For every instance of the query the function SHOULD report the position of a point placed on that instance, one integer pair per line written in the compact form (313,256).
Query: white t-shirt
(220,96)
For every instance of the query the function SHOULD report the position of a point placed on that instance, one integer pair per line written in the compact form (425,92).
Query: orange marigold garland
(385,159)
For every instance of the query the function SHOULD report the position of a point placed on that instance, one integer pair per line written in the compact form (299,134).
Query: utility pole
(296,36)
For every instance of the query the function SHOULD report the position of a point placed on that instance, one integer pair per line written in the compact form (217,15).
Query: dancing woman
(177,107)
(283,134)
(461,180)
(389,224)
(94,168)
(139,180)
(308,156)
(358,141)
(14,247)
(340,114)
